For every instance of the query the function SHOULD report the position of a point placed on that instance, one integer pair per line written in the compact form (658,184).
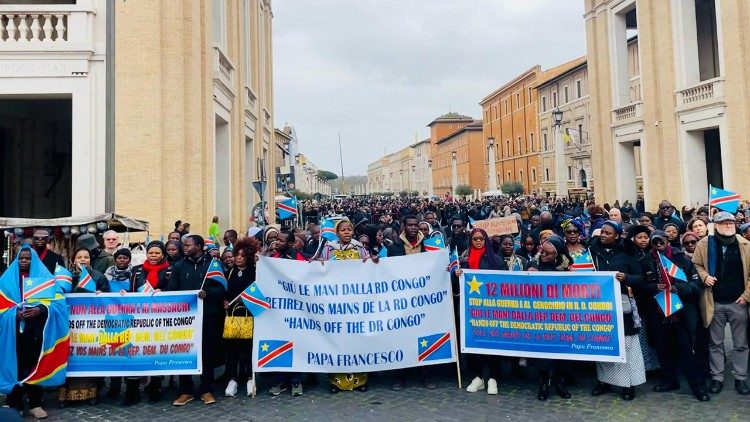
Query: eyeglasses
(571,232)
(477,239)
(548,253)
(689,242)
(457,226)
(658,241)
(665,207)
(39,238)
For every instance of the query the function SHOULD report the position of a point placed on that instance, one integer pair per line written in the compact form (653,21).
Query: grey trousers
(737,317)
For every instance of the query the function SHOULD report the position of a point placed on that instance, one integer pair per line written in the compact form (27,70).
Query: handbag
(238,327)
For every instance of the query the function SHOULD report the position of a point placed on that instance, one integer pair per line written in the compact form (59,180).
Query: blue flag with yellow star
(434,347)
(433,244)
(275,353)
(254,300)
(669,302)
(724,200)
(583,262)
(216,273)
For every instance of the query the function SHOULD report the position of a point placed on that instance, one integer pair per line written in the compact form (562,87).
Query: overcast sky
(377,71)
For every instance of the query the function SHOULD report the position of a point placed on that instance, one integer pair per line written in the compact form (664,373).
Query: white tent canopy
(496,192)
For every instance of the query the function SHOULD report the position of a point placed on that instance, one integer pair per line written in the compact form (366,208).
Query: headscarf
(615,225)
(475,255)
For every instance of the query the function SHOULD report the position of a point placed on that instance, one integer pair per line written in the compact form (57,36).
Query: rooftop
(451,117)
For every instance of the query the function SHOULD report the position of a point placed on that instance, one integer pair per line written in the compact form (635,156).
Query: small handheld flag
(472,222)
(583,262)
(454,264)
(669,302)
(216,273)
(39,288)
(723,199)
(433,244)
(63,278)
(146,288)
(672,270)
(254,300)
(85,281)
(287,208)
(383,252)
(327,230)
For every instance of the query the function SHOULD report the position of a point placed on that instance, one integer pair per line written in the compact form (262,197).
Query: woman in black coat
(479,256)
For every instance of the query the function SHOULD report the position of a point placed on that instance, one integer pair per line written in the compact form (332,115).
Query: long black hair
(492,259)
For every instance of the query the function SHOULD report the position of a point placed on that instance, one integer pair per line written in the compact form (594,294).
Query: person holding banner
(190,274)
(553,256)
(674,335)
(83,389)
(174,251)
(513,261)
(479,256)
(346,248)
(120,278)
(610,252)
(239,351)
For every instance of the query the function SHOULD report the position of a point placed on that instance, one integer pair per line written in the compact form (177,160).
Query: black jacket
(139,278)
(460,242)
(188,274)
(52,259)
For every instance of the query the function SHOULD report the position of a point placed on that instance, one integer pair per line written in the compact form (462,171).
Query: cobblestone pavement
(516,401)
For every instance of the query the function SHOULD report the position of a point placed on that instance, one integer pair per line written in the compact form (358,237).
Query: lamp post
(560,177)
(412,178)
(454,173)
(430,191)
(401,176)
(492,182)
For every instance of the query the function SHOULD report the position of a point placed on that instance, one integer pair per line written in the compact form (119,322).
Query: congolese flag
(724,200)
(287,208)
(85,281)
(254,300)
(52,362)
(433,244)
(668,302)
(583,262)
(275,353)
(63,278)
(434,347)
(216,273)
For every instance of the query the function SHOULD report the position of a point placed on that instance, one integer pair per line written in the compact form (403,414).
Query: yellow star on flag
(252,288)
(678,306)
(713,191)
(474,285)
(423,342)
(29,282)
(264,347)
(216,264)
(437,242)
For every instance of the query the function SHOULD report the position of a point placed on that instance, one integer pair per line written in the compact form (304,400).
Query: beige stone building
(192,91)
(564,89)
(690,121)
(408,169)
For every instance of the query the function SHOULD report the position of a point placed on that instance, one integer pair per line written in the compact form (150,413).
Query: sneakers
(231,390)
(492,387)
(277,389)
(296,389)
(251,389)
(183,400)
(38,413)
(476,385)
(208,398)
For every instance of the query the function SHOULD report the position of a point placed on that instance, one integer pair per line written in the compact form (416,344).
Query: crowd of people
(552,235)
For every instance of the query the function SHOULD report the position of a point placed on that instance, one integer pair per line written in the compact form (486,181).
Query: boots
(562,388)
(544,383)
(132,392)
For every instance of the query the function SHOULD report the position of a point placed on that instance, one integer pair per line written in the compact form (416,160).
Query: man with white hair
(111,241)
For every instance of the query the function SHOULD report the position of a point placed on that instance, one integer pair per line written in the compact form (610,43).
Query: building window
(518,101)
(546,175)
(528,95)
(579,92)
(219,23)
(533,175)
(508,180)
(544,141)
(507,148)
(554,99)
(565,94)
(506,106)
(531,141)
(570,173)
(580,133)
(544,103)
(520,146)
(248,41)
(520,175)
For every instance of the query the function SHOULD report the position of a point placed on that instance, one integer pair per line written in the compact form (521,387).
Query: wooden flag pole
(455,343)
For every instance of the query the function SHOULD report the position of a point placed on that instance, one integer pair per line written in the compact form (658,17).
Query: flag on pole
(327,230)
(668,302)
(63,278)
(287,208)
(454,264)
(216,273)
(254,300)
(383,252)
(85,281)
(672,269)
(472,222)
(723,199)
(39,288)
(146,288)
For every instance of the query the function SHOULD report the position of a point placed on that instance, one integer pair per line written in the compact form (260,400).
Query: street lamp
(492,182)
(560,182)
(557,115)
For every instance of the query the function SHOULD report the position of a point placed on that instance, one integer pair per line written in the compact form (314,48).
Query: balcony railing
(703,93)
(629,112)
(41,27)
(223,68)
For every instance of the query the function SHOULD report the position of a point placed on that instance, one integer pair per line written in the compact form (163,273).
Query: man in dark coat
(189,274)
(49,258)
(101,260)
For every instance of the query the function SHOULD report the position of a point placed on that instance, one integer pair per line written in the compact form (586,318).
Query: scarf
(152,271)
(43,253)
(726,240)
(115,274)
(475,257)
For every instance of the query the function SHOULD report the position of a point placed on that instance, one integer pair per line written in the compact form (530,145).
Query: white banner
(350,316)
